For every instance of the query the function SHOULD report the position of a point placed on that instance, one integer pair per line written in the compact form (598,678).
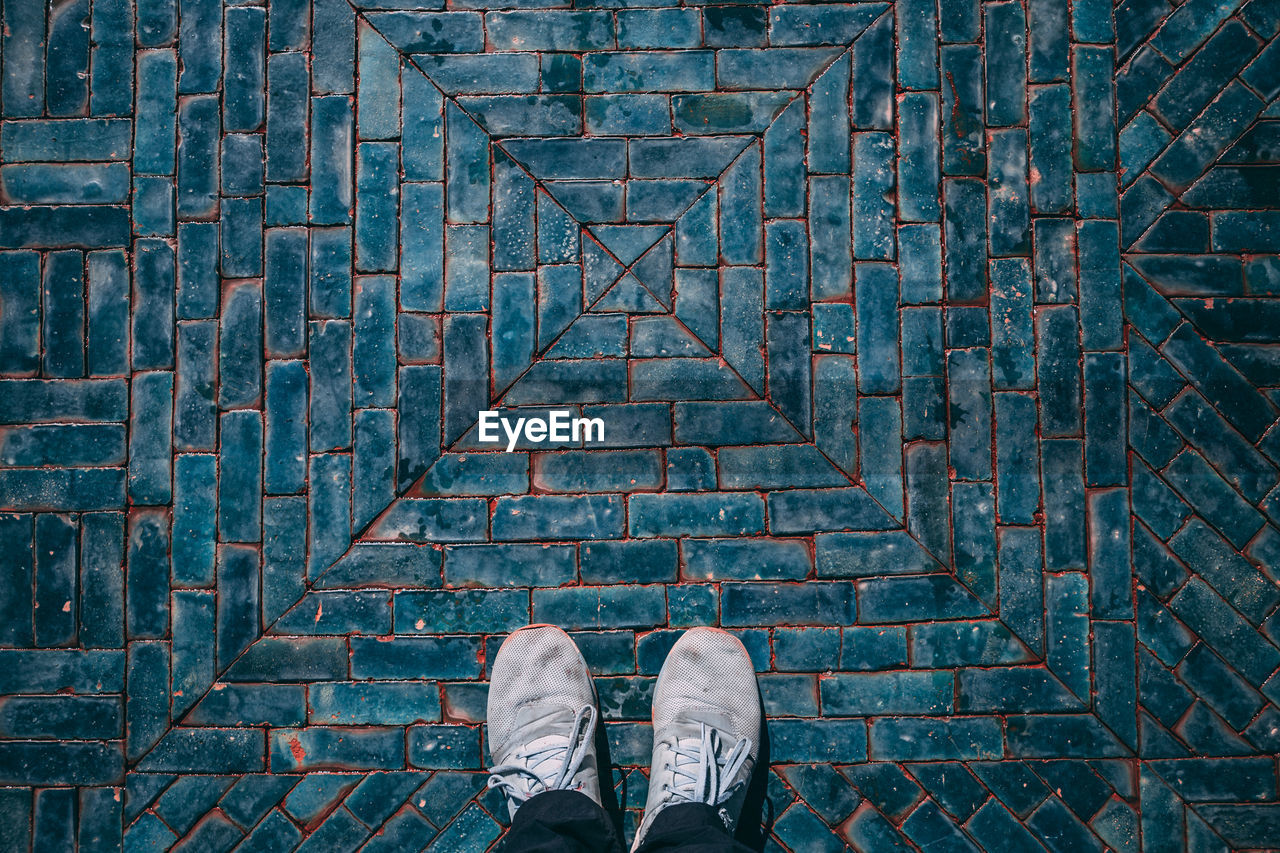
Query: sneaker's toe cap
(708,672)
(536,666)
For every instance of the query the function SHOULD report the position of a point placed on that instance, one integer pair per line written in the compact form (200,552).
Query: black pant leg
(561,822)
(690,828)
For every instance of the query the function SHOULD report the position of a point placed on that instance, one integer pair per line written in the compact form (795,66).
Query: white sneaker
(541,717)
(706,724)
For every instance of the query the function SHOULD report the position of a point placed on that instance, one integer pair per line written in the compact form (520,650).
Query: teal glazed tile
(928,349)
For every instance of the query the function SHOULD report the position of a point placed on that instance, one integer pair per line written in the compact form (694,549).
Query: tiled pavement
(869,295)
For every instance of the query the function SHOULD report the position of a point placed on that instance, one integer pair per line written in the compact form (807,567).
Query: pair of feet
(706,722)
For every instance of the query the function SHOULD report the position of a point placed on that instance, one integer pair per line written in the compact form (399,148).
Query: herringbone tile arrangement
(937,344)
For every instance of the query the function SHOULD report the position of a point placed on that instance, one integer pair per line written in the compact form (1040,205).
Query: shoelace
(703,782)
(521,778)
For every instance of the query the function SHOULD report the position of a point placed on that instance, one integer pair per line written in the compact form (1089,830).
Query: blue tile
(919,163)
(287,134)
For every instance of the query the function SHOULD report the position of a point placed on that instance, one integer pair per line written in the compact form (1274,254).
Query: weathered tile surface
(936,347)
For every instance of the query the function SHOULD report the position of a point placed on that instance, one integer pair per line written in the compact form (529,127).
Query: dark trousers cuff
(690,828)
(562,822)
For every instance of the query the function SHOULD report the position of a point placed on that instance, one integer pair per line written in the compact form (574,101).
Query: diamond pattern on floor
(936,347)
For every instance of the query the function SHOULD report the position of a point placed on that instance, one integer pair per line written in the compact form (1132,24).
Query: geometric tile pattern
(936,347)
(1197,104)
